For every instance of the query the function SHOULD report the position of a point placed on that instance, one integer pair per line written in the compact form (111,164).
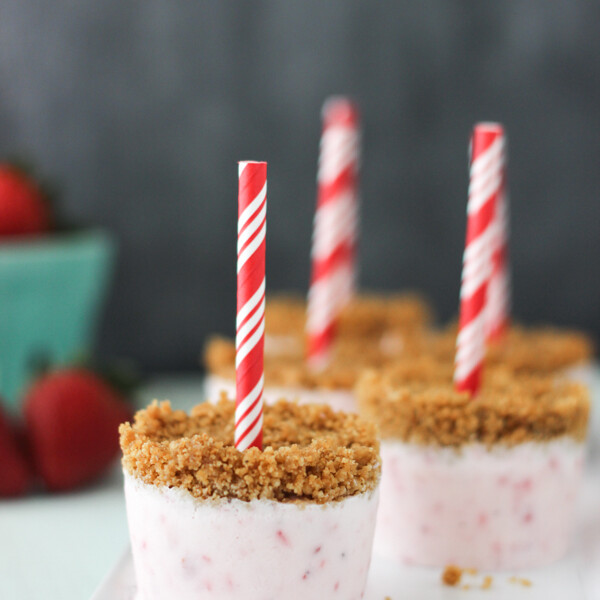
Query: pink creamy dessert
(185,548)
(488,483)
(293,521)
(500,508)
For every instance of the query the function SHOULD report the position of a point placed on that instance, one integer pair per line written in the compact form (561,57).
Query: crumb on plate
(451,575)
(521,581)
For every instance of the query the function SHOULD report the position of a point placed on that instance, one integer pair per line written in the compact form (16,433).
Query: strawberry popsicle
(546,351)
(293,521)
(385,319)
(488,482)
(291,377)
(372,329)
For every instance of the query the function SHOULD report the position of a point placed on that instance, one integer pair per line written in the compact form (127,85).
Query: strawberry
(72,418)
(15,473)
(23,206)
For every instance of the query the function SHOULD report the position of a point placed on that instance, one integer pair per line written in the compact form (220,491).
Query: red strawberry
(23,206)
(15,473)
(73,419)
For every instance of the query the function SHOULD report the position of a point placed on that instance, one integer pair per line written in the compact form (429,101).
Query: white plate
(574,578)
(560,581)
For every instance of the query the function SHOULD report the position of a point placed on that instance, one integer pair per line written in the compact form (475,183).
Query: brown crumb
(524,350)
(520,581)
(372,314)
(470,571)
(415,402)
(290,369)
(311,453)
(541,350)
(452,575)
(285,314)
(369,314)
(361,340)
(465,587)
(487,582)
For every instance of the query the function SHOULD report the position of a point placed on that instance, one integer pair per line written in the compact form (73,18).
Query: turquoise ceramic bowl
(51,294)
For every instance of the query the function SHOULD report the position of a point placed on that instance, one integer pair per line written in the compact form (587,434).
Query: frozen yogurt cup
(372,329)
(290,377)
(285,321)
(337,399)
(546,351)
(373,314)
(379,317)
(293,521)
(489,482)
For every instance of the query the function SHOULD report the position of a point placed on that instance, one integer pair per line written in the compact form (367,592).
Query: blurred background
(140,110)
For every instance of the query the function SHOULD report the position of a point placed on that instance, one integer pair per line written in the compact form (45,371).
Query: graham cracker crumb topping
(416,402)
(373,314)
(310,453)
(541,350)
(349,357)
(285,314)
(369,330)
(369,314)
(524,350)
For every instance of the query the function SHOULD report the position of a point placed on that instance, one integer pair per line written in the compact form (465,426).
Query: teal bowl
(52,291)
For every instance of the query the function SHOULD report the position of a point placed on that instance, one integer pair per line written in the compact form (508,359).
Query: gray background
(141,110)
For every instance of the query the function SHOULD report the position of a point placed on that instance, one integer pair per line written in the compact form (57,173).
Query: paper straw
(498,300)
(250,322)
(484,187)
(333,278)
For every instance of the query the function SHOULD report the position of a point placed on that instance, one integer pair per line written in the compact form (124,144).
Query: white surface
(489,508)
(60,547)
(558,582)
(57,547)
(229,549)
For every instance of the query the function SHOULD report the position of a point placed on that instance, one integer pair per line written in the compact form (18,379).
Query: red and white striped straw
(499,292)
(250,322)
(485,185)
(333,277)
